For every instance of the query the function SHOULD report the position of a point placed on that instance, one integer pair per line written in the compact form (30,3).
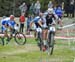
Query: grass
(30,52)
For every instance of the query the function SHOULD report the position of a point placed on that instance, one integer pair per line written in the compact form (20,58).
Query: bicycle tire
(40,40)
(20,36)
(1,41)
(51,43)
(5,40)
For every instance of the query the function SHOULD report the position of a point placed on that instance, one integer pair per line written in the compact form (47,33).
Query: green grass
(30,52)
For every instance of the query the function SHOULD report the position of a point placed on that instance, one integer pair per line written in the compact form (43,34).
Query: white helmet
(50,10)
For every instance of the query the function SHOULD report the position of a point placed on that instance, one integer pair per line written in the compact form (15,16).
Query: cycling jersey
(59,12)
(49,19)
(36,19)
(5,21)
(11,23)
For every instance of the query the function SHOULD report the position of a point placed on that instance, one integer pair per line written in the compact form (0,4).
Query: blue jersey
(11,23)
(59,11)
(5,21)
(36,19)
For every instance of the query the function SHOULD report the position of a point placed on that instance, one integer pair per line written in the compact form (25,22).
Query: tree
(8,7)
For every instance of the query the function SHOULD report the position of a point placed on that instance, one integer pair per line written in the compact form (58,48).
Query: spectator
(71,10)
(66,8)
(28,23)
(59,13)
(50,4)
(23,8)
(22,20)
(31,9)
(62,5)
(37,7)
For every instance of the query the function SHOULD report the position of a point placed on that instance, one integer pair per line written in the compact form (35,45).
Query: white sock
(44,41)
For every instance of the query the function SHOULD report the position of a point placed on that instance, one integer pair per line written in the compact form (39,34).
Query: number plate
(52,29)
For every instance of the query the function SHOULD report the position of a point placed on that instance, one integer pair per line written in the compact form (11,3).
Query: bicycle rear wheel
(40,43)
(1,41)
(4,40)
(20,38)
(51,43)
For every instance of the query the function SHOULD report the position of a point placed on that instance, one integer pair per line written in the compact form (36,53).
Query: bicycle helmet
(11,16)
(50,10)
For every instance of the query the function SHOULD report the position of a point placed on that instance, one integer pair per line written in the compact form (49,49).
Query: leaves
(7,7)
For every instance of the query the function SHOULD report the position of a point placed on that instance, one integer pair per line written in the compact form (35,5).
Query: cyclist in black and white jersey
(50,17)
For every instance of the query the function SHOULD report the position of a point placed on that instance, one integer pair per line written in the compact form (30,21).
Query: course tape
(56,37)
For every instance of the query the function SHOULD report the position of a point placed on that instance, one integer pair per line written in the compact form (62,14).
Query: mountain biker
(50,19)
(11,23)
(6,23)
(38,22)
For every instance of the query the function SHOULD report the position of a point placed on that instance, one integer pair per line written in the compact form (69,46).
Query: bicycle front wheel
(20,38)
(51,43)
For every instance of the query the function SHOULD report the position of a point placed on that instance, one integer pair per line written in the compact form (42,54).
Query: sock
(44,41)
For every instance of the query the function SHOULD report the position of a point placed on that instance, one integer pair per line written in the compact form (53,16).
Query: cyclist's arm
(53,23)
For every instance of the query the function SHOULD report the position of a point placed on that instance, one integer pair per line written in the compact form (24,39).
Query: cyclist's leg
(45,42)
(60,21)
(4,31)
(12,31)
(45,36)
(35,34)
(35,31)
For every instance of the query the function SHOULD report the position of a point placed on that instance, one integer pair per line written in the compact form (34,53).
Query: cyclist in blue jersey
(11,23)
(7,23)
(38,23)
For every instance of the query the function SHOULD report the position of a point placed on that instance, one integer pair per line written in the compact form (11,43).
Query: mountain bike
(51,41)
(18,37)
(38,37)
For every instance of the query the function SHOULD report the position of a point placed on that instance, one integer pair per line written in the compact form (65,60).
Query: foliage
(8,7)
